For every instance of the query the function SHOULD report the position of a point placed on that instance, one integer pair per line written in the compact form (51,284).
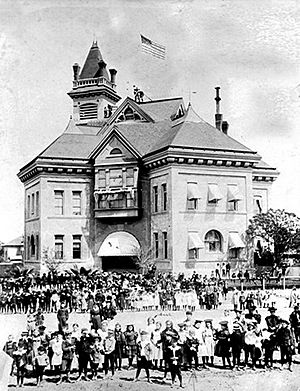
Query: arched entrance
(119,251)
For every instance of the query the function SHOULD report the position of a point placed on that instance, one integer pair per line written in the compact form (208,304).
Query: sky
(250,48)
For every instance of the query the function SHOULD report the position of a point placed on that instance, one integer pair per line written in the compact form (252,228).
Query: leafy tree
(278,230)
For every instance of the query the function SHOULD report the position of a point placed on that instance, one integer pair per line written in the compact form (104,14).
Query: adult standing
(63,317)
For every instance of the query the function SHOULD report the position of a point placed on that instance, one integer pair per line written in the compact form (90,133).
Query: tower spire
(94,88)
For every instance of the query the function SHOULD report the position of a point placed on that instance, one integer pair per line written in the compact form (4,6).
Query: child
(20,360)
(131,344)
(174,356)
(57,354)
(68,349)
(109,345)
(31,322)
(96,356)
(40,362)
(9,348)
(208,337)
(144,354)
(157,347)
(223,344)
(193,345)
(120,346)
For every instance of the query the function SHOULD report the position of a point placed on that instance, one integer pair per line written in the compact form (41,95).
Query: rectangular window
(155,240)
(194,253)
(164,196)
(115,177)
(28,247)
(32,204)
(234,253)
(129,177)
(59,246)
(233,205)
(37,202)
(102,179)
(37,246)
(257,205)
(165,244)
(76,246)
(59,202)
(155,199)
(76,203)
(192,204)
(28,206)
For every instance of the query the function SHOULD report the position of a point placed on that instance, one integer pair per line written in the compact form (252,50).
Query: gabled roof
(131,103)
(161,109)
(146,138)
(91,65)
(19,241)
(114,132)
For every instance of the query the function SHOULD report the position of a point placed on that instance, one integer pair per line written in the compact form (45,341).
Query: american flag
(153,48)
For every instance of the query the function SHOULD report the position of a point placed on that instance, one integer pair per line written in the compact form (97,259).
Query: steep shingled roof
(91,65)
(161,109)
(71,145)
(192,131)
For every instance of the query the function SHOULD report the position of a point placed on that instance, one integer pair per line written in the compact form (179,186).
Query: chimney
(102,66)
(76,70)
(218,116)
(113,73)
(225,126)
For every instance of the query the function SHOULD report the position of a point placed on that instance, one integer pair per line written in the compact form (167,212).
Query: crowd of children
(73,354)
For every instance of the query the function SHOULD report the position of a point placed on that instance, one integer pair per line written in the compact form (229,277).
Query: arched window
(32,246)
(116,151)
(213,241)
(129,114)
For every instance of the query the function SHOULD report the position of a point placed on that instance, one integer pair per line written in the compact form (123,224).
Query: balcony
(92,82)
(116,204)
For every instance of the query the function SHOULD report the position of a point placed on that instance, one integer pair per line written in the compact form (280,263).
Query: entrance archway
(119,251)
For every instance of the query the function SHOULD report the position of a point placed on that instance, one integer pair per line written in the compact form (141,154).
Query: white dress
(57,352)
(202,351)
(209,342)
(157,350)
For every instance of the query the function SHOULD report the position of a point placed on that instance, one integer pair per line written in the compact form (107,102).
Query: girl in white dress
(202,351)
(57,354)
(208,337)
(157,346)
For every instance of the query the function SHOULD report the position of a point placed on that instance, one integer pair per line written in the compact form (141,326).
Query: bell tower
(94,89)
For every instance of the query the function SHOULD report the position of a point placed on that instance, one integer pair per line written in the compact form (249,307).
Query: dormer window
(116,151)
(129,115)
(180,113)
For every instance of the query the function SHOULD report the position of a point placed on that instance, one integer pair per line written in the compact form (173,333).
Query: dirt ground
(205,379)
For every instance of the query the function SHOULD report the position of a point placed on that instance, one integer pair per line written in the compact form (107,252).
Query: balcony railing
(92,82)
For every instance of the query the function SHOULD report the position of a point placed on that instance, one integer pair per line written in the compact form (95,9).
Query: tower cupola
(94,88)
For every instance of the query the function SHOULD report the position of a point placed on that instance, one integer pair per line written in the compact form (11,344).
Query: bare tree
(53,264)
